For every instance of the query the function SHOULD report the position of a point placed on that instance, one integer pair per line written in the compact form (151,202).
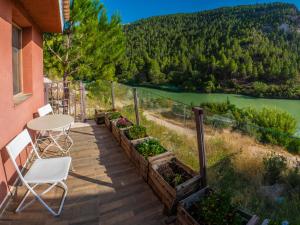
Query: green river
(290,106)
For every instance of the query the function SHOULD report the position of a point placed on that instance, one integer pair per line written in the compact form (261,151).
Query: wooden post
(113,96)
(46,93)
(82,104)
(201,145)
(136,106)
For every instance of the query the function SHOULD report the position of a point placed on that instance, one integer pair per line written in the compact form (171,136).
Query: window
(16,59)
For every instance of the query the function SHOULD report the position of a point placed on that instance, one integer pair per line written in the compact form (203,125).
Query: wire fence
(237,151)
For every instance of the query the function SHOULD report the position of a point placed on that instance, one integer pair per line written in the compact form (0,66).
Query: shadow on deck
(104,189)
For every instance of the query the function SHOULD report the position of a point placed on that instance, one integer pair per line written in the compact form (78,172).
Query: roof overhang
(48,15)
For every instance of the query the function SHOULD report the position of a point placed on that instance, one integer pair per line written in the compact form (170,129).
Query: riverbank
(242,101)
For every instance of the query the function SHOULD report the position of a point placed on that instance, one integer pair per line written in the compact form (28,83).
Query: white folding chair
(45,110)
(52,171)
(62,132)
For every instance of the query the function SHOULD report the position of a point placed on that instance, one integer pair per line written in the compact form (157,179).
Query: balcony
(105,188)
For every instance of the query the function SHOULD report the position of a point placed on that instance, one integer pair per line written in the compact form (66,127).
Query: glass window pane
(16,60)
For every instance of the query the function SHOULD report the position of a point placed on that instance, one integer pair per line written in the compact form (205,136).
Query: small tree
(90,46)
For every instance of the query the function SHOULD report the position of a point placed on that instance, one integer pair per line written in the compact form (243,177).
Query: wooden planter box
(184,218)
(117,131)
(126,144)
(168,195)
(100,116)
(107,121)
(143,164)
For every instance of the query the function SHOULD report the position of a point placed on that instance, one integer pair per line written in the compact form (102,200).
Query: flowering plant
(123,123)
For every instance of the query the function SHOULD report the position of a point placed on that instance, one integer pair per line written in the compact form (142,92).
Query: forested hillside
(247,49)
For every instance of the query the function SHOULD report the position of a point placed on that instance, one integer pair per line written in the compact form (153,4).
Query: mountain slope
(233,48)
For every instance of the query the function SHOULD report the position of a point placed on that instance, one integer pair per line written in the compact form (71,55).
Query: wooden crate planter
(107,121)
(117,131)
(126,144)
(169,195)
(143,164)
(184,217)
(100,116)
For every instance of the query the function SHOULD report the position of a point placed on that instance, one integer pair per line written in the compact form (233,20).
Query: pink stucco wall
(13,118)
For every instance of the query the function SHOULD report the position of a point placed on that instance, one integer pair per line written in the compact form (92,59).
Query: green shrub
(275,166)
(136,132)
(114,115)
(293,178)
(218,107)
(216,209)
(150,148)
(294,145)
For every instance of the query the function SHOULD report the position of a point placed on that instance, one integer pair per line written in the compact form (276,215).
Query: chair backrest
(45,110)
(18,144)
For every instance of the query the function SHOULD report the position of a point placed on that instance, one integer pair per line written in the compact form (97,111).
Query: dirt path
(179,129)
(241,142)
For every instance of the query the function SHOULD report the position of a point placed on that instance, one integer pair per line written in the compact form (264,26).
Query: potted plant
(145,152)
(111,116)
(206,207)
(118,125)
(133,133)
(172,181)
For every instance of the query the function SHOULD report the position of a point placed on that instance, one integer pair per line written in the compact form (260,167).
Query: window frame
(20,93)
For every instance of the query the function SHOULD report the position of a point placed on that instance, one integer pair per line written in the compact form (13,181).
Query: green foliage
(150,148)
(90,48)
(293,178)
(275,166)
(114,116)
(222,49)
(272,222)
(294,145)
(219,108)
(136,132)
(266,125)
(216,209)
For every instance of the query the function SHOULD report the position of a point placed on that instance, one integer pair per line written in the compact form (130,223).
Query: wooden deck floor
(104,189)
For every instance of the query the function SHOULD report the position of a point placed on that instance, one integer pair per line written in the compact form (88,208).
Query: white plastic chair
(52,171)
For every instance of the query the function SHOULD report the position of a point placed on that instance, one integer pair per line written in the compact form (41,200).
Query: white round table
(50,122)
(56,126)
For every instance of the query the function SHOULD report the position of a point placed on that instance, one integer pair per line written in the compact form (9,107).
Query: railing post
(46,93)
(136,106)
(113,96)
(82,101)
(201,145)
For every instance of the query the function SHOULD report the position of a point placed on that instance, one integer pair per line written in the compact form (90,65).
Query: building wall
(13,117)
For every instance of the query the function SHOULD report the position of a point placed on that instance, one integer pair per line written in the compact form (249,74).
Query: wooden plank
(105,188)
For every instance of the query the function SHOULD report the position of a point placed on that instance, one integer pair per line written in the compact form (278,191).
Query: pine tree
(90,46)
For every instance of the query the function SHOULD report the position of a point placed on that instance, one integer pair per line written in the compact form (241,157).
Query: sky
(132,10)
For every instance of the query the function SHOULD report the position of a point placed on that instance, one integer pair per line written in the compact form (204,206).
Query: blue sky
(132,10)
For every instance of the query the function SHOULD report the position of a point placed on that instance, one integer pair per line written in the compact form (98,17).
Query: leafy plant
(294,145)
(274,166)
(215,209)
(178,179)
(173,173)
(136,132)
(150,148)
(293,178)
(114,115)
(123,123)
(273,222)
